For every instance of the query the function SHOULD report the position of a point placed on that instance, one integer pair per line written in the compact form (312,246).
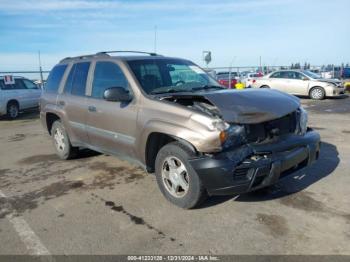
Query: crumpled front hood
(335,81)
(252,106)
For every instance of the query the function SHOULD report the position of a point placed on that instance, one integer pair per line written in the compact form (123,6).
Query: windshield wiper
(167,91)
(205,87)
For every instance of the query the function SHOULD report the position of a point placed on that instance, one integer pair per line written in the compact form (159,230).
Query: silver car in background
(301,82)
(20,95)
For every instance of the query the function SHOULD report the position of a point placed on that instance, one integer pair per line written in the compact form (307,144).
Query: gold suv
(173,119)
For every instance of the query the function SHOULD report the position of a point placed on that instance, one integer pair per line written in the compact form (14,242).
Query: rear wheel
(12,110)
(317,93)
(265,86)
(176,178)
(61,141)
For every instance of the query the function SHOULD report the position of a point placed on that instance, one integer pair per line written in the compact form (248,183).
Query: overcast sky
(281,31)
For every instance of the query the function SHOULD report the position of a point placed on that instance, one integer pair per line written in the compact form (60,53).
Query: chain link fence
(330,71)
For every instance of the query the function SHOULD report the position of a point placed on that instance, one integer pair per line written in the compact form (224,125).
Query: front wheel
(317,93)
(176,178)
(61,141)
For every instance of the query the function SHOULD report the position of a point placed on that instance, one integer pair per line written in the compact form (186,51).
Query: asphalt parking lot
(98,204)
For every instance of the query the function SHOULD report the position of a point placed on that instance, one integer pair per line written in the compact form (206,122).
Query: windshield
(158,76)
(312,75)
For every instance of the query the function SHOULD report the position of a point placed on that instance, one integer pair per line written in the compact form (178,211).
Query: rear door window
(54,79)
(286,74)
(19,84)
(79,79)
(68,85)
(76,81)
(276,75)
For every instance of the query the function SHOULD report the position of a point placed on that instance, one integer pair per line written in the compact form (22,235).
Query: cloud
(166,5)
(274,29)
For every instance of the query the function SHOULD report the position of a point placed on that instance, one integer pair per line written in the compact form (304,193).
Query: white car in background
(327,75)
(250,78)
(301,82)
(17,94)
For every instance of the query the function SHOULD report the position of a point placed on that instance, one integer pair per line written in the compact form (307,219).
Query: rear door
(277,80)
(111,126)
(73,101)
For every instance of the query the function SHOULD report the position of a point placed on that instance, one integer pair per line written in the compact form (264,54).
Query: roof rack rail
(80,57)
(106,53)
(136,52)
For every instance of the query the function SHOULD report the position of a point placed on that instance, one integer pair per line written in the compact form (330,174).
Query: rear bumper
(256,166)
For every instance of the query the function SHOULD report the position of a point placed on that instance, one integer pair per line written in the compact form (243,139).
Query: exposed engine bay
(249,123)
(197,103)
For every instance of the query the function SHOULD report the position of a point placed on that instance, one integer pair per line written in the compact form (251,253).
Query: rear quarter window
(55,78)
(18,85)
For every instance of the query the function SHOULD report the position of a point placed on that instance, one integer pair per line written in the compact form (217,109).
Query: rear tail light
(254,81)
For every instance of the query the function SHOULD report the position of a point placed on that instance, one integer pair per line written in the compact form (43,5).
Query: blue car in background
(346,72)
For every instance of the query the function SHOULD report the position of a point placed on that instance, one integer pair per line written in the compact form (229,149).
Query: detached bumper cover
(254,166)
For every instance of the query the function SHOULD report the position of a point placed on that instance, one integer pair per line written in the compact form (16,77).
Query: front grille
(270,129)
(241,173)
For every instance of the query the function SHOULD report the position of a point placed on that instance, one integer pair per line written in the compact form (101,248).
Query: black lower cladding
(254,166)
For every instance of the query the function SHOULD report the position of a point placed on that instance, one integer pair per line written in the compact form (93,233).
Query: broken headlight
(303,118)
(235,136)
(215,124)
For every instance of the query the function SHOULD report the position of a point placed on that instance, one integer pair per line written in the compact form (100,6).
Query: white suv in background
(17,95)
(301,82)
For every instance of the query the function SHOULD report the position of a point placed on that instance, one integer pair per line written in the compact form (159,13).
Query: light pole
(260,63)
(41,71)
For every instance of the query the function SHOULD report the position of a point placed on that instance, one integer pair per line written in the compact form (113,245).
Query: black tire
(12,111)
(64,150)
(265,86)
(317,93)
(196,192)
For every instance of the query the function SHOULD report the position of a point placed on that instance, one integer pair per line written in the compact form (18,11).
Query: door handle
(61,103)
(92,109)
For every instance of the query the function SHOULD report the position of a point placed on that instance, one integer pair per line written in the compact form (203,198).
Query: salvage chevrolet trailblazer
(176,121)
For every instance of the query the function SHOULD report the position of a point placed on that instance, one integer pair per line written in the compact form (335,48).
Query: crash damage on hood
(250,106)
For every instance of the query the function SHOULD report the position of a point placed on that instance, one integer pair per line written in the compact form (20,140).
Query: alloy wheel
(13,111)
(175,177)
(59,140)
(316,93)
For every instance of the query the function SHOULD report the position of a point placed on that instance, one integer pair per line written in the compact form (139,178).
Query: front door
(110,125)
(295,83)
(33,92)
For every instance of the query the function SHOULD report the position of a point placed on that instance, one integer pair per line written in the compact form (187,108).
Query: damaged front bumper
(255,166)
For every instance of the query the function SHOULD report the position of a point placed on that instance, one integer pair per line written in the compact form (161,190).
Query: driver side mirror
(117,94)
